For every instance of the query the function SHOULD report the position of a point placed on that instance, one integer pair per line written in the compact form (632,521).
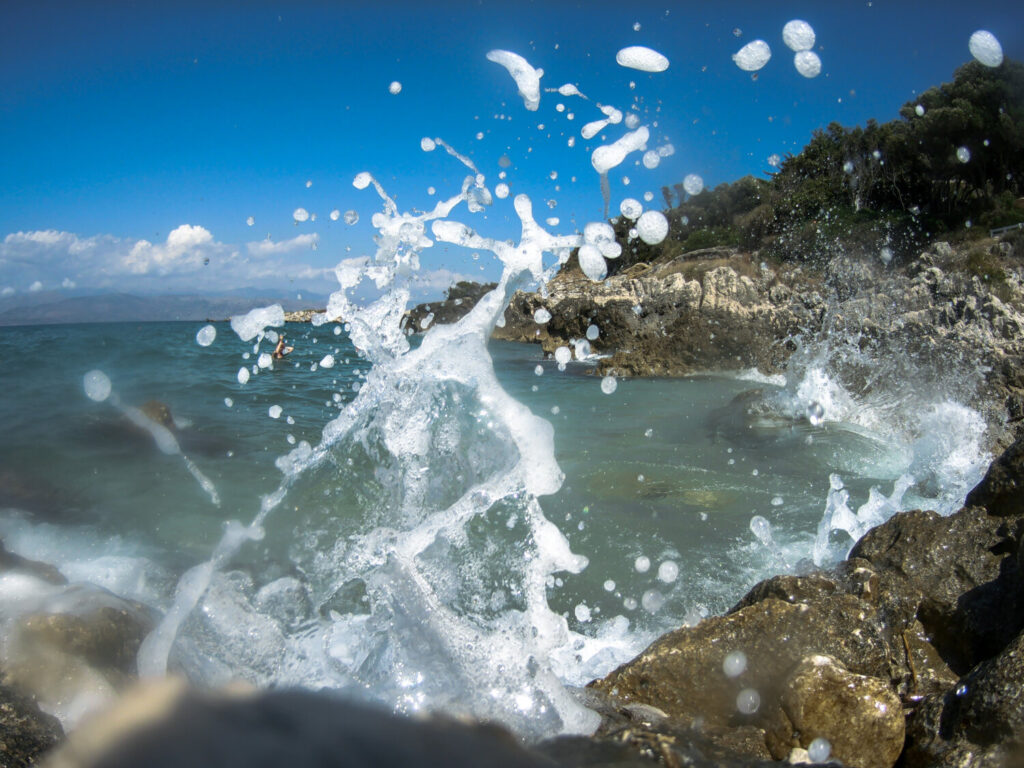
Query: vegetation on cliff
(950,166)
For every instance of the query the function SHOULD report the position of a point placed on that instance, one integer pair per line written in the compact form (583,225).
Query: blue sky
(137,138)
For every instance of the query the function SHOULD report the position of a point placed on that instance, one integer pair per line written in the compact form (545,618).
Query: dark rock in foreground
(25,732)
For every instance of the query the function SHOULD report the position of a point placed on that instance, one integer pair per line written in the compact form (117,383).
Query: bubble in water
(807,63)
(642,564)
(815,414)
(641,58)
(275,411)
(919,109)
(693,184)
(885,254)
(539,370)
(748,701)
(563,355)
(777,501)
(395,88)
(985,48)
(819,749)
(582,612)
(300,214)
(798,35)
(206,335)
(963,154)
(609,384)
(501,191)
(737,32)
(648,432)
(652,601)
(229,402)
(250,221)
(427,144)
(609,586)
(243,375)
(652,226)
(668,572)
(351,217)
(629,604)
(752,56)
(541,316)
(97,385)
(593,332)
(734,664)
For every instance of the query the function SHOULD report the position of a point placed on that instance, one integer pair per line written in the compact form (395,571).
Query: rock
(1001,491)
(943,249)
(958,575)
(860,716)
(25,732)
(48,573)
(107,638)
(979,722)
(165,725)
(682,672)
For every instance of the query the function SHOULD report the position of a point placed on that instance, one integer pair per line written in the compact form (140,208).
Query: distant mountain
(53,307)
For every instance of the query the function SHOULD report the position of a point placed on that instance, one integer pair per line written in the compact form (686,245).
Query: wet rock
(683,672)
(107,638)
(165,725)
(10,561)
(978,722)
(958,575)
(1001,491)
(25,732)
(860,716)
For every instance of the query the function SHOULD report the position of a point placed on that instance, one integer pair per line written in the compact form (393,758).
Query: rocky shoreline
(909,653)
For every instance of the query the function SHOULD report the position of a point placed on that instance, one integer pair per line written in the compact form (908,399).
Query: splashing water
(419,415)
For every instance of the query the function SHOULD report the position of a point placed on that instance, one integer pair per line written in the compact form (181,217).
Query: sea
(346,524)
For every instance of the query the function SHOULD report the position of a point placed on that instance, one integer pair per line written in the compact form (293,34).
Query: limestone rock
(958,574)
(978,722)
(25,732)
(1001,491)
(860,716)
(107,638)
(682,672)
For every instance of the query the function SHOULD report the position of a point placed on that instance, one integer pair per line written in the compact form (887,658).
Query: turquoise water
(662,481)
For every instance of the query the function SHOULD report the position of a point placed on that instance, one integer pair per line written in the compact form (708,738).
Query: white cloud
(7,291)
(270,247)
(190,258)
(36,286)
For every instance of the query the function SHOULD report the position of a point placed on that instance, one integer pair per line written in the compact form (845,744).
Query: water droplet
(819,750)
(609,384)
(300,214)
(642,564)
(97,385)
(693,184)
(963,154)
(541,316)
(668,572)
(748,701)
(734,664)
(351,217)
(815,414)
(984,46)
(652,601)
(275,411)
(206,335)
(395,88)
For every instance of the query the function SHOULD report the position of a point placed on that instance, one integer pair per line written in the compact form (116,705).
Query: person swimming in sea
(281,350)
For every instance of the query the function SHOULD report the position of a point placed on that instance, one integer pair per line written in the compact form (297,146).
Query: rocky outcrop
(689,314)
(924,623)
